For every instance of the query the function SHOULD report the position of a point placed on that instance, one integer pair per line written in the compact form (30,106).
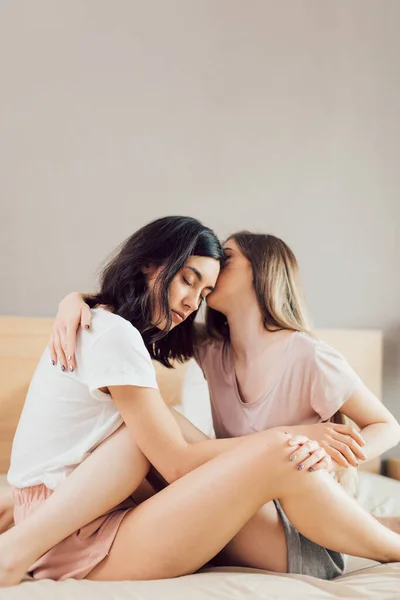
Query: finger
(62,332)
(303,451)
(86,317)
(336,455)
(351,443)
(345,450)
(324,464)
(351,431)
(312,459)
(53,354)
(70,342)
(60,352)
(296,440)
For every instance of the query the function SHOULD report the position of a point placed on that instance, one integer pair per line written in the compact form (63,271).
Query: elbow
(174,474)
(393,432)
(176,468)
(396,432)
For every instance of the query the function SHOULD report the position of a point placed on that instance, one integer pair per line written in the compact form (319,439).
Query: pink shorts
(80,552)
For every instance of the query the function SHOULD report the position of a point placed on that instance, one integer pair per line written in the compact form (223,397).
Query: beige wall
(275,116)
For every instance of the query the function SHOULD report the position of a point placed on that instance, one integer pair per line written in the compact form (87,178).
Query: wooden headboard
(22,341)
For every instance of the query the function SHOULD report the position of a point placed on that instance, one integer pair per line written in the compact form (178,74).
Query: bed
(21,342)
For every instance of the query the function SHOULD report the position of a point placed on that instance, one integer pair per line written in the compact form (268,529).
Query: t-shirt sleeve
(333,381)
(119,357)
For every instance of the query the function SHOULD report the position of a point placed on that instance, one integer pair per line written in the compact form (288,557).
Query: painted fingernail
(300,467)
(62,368)
(53,362)
(69,357)
(311,469)
(71,368)
(292,458)
(87,326)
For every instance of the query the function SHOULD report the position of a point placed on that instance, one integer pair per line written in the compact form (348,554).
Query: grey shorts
(306,557)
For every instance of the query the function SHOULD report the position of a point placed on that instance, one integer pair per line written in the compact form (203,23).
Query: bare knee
(273,444)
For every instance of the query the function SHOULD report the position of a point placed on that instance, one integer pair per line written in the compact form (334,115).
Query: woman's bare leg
(182,527)
(107,477)
(363,545)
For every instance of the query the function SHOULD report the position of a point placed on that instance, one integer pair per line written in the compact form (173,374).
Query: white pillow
(195,401)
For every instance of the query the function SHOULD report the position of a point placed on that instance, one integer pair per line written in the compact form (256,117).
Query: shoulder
(108,329)
(312,348)
(304,346)
(114,354)
(324,362)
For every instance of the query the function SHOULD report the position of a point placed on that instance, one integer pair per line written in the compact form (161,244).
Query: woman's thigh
(261,543)
(183,526)
(178,530)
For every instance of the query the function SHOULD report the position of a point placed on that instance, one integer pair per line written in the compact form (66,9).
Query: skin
(188,289)
(209,489)
(158,438)
(254,347)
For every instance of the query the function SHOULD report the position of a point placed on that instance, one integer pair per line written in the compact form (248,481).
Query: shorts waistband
(34,493)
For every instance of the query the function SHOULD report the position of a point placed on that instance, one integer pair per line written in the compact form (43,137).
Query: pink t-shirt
(311,385)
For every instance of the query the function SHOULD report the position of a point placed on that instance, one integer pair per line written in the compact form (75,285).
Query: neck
(248,337)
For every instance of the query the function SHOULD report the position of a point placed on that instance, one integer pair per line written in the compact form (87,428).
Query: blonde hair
(276,283)
(280,298)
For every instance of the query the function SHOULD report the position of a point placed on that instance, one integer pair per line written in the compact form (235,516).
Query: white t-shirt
(65,415)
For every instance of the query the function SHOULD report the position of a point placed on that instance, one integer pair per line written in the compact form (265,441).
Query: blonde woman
(264,371)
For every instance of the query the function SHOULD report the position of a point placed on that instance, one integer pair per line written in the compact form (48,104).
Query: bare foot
(12,571)
(10,575)
(392,523)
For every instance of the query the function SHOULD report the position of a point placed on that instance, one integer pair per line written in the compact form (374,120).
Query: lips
(181,316)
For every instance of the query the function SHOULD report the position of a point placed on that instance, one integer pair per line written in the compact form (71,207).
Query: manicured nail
(300,467)
(71,368)
(53,362)
(62,368)
(293,443)
(87,326)
(311,469)
(293,457)
(69,357)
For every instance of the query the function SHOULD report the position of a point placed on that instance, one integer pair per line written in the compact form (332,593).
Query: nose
(192,301)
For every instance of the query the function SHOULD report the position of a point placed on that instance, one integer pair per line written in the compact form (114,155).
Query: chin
(214,303)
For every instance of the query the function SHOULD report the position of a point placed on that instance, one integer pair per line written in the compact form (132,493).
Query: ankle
(12,556)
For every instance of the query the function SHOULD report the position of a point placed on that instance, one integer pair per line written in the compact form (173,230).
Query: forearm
(296,429)
(201,448)
(201,452)
(159,436)
(380,437)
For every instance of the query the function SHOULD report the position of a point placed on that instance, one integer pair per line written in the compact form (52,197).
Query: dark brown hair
(166,242)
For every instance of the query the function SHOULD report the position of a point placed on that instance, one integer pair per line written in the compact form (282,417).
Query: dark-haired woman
(216,486)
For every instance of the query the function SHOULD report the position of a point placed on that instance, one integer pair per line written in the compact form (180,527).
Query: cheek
(224,283)
(176,293)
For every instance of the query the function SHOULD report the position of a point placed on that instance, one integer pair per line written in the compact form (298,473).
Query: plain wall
(280,117)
